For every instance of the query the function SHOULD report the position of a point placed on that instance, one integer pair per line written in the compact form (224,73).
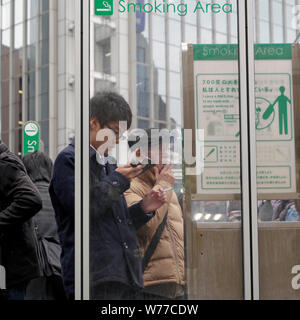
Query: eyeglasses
(116,132)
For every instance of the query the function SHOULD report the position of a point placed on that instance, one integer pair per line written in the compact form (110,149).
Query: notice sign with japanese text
(217,113)
(31,137)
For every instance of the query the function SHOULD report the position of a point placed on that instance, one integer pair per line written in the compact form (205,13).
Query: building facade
(134,53)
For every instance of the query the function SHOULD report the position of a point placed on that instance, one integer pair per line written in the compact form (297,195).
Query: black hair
(154,138)
(108,107)
(39,166)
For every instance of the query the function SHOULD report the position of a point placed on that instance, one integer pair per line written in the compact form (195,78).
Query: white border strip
(85,148)
(78,152)
(252,141)
(244,148)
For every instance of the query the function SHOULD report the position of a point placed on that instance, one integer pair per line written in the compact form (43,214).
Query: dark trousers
(115,291)
(150,296)
(46,288)
(17,293)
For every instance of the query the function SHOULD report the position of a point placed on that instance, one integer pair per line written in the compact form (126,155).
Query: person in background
(162,239)
(50,286)
(115,262)
(285,210)
(19,202)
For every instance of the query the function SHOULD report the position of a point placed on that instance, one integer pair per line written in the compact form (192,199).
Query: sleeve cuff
(139,217)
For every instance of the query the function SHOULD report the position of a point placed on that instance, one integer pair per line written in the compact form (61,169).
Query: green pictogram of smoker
(104,7)
(282,101)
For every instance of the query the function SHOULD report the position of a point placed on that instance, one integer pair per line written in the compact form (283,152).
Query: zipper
(175,253)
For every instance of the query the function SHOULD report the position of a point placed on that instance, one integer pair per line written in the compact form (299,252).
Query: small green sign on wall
(31,137)
(104,7)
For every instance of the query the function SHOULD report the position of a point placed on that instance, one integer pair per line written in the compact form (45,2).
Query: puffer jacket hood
(19,202)
(10,157)
(166,267)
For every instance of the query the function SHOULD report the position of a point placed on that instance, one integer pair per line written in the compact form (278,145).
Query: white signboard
(217,109)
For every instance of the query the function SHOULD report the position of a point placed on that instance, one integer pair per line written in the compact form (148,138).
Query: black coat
(19,201)
(114,251)
(46,230)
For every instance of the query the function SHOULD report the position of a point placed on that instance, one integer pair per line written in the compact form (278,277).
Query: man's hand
(165,174)
(130,172)
(153,200)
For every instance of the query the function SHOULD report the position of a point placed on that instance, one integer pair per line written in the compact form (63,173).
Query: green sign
(104,7)
(31,137)
(277,51)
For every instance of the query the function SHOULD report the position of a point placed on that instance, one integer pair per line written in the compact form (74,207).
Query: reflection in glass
(264,36)
(18,36)
(44,109)
(143,91)
(44,80)
(174,32)
(6,38)
(19,7)
(159,54)
(206,36)
(31,31)
(105,85)
(143,124)
(190,34)
(221,22)
(5,21)
(44,26)
(31,57)
(44,6)
(32,6)
(158,28)
(174,58)
(263,7)
(174,85)
(160,108)
(277,12)
(102,47)
(175,113)
(159,80)
(44,52)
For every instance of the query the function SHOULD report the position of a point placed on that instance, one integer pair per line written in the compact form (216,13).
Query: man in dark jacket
(50,286)
(115,262)
(19,201)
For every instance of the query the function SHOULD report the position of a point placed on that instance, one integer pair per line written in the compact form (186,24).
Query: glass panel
(44,26)
(150,82)
(158,28)
(277,145)
(32,7)
(143,91)
(5,16)
(212,179)
(175,32)
(19,8)
(19,39)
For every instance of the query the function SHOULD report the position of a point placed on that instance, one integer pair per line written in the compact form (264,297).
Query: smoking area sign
(31,137)
(217,113)
(104,7)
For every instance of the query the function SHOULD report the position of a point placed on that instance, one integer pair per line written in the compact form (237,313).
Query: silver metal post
(248,145)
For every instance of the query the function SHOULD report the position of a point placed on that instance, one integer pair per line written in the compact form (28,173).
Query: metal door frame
(248,149)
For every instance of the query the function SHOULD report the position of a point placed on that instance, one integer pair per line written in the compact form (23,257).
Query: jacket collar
(92,150)
(148,177)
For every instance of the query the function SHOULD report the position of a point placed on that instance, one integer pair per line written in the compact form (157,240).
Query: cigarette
(169,189)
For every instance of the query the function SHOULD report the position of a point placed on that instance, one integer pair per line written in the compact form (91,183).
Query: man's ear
(94,124)
(138,152)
